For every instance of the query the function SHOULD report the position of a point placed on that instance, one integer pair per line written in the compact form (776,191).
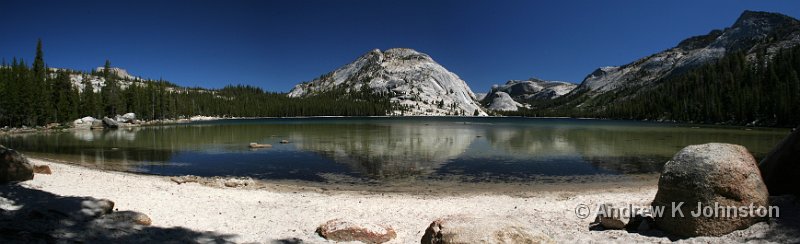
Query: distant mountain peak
(750,18)
(515,93)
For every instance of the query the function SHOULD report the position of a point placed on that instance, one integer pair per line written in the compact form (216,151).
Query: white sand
(262,215)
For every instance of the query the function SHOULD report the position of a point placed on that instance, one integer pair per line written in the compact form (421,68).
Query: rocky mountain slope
(753,31)
(98,82)
(79,80)
(411,79)
(515,93)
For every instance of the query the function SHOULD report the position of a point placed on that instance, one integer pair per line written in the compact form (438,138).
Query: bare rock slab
(467,229)
(349,230)
(711,175)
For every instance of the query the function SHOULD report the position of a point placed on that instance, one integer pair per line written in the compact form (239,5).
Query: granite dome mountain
(517,93)
(413,81)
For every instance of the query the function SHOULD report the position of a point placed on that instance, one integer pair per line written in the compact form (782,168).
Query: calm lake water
(386,149)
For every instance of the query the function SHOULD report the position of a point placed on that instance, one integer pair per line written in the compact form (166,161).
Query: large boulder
(110,123)
(781,167)
(466,229)
(714,175)
(87,119)
(83,123)
(125,118)
(97,125)
(339,230)
(14,166)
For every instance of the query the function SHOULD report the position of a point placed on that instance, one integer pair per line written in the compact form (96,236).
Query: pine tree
(110,92)
(40,100)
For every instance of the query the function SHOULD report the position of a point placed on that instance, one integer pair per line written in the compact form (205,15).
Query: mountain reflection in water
(386,149)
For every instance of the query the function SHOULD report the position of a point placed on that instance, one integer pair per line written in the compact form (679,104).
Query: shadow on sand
(35,216)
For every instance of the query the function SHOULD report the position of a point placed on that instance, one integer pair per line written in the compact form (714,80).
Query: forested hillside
(36,95)
(733,90)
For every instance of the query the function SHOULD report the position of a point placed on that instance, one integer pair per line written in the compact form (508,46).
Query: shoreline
(342,184)
(274,214)
(6,131)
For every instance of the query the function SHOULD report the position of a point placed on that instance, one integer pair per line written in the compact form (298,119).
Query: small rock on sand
(348,230)
(42,169)
(235,182)
(640,223)
(466,229)
(96,207)
(609,218)
(128,216)
(184,179)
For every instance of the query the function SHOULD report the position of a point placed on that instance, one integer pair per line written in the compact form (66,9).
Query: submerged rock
(257,145)
(711,175)
(14,166)
(347,230)
(466,229)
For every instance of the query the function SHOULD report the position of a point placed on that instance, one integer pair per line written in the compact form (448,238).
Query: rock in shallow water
(349,230)
(258,145)
(713,174)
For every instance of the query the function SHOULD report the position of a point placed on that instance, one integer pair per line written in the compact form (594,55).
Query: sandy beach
(291,215)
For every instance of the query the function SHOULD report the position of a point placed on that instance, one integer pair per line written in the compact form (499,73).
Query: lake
(383,149)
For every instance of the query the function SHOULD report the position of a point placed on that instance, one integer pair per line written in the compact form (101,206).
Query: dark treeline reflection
(389,148)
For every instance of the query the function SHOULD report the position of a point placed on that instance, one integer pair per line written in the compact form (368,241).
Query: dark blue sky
(275,44)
